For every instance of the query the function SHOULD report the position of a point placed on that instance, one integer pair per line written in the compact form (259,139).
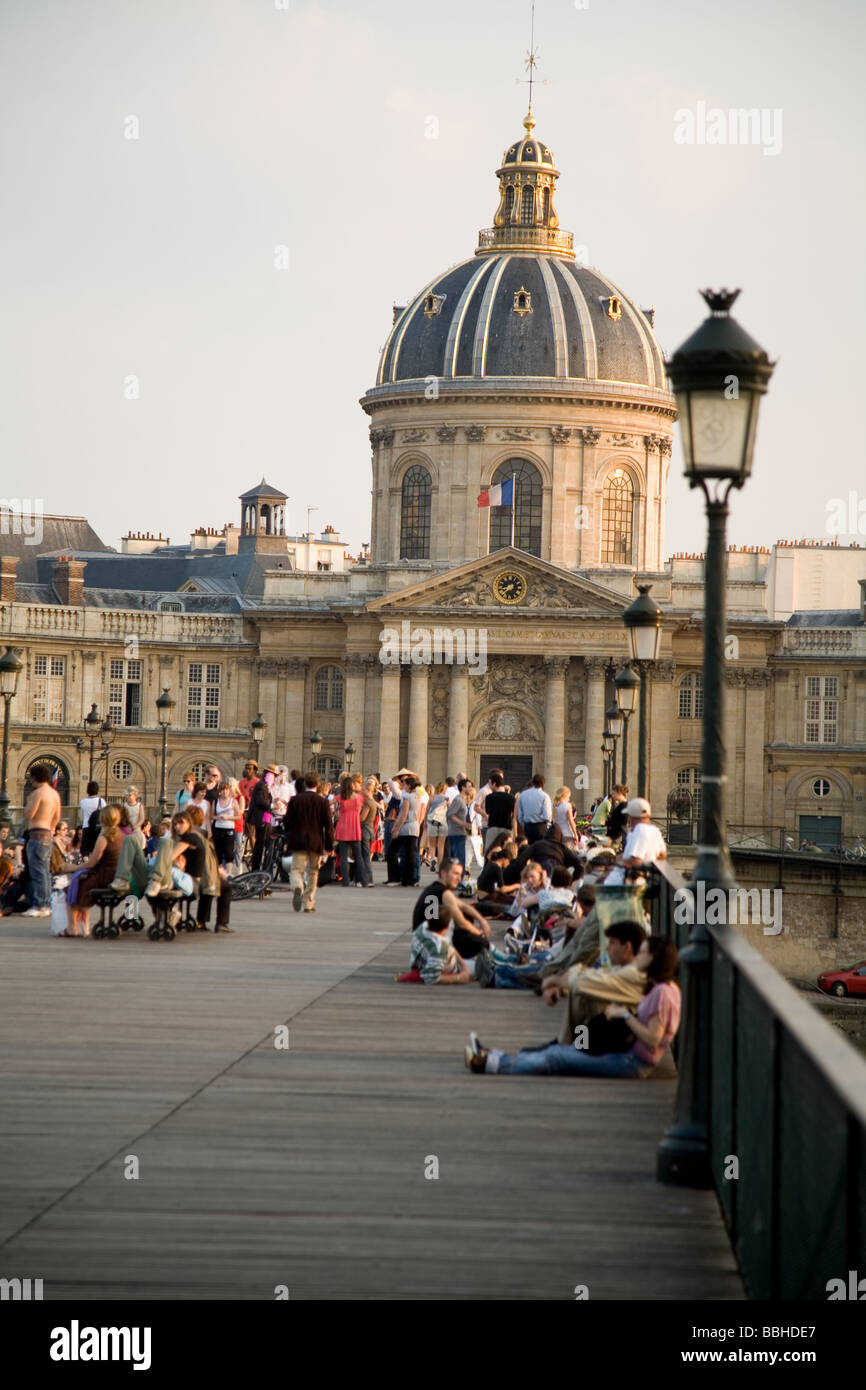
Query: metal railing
(503,238)
(786,1117)
(782,839)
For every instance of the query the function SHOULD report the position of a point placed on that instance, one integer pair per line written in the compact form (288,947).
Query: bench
(107,899)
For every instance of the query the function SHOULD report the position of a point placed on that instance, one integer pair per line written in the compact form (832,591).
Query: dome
(522,315)
(523,306)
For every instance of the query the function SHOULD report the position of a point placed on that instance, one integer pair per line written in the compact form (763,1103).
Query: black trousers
(224,844)
(224,906)
(262,833)
(402,848)
(467,944)
(536,830)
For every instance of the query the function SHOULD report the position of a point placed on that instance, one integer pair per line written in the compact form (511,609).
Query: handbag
(608,1035)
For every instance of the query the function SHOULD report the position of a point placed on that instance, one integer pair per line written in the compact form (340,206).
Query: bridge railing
(786,1118)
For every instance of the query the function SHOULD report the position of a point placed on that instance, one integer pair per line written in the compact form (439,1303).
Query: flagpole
(513,505)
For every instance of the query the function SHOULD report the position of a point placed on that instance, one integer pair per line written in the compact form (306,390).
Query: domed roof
(522,306)
(522,314)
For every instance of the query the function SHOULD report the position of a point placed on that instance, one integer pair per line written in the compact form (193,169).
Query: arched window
(329,688)
(527,205)
(691,697)
(617,519)
(509,202)
(545,206)
(527,517)
(415,514)
(690,779)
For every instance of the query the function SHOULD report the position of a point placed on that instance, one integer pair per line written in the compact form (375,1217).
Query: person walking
(534,810)
(309,837)
(260,813)
(42,815)
(457,822)
(437,811)
(369,825)
(347,831)
(563,816)
(404,840)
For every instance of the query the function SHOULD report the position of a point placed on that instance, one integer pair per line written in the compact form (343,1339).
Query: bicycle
(858,851)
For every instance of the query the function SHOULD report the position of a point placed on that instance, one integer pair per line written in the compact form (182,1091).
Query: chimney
(68,580)
(8,566)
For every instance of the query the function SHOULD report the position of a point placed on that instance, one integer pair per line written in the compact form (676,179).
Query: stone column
(268,680)
(556,668)
(755,799)
(353,729)
(660,778)
(90,687)
(419,693)
(458,722)
(587,536)
(594,666)
(296,750)
(389,722)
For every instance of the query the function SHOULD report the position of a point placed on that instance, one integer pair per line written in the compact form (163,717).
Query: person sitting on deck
(589,988)
(471,933)
(633,1049)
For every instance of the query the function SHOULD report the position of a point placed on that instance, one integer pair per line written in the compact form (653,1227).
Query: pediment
(471,586)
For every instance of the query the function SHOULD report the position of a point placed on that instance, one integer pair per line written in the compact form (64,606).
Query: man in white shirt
(90,803)
(644,843)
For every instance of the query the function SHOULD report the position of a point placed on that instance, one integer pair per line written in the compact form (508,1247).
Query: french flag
(502,495)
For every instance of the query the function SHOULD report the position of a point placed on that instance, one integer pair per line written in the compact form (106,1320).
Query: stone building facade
(520,364)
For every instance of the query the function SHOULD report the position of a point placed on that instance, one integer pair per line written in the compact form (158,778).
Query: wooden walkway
(305,1168)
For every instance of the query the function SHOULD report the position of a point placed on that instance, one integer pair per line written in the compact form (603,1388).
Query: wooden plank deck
(262,1167)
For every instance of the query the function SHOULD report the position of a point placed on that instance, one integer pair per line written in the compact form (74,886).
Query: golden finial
(529,122)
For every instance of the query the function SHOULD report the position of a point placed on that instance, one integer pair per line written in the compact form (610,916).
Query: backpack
(90,834)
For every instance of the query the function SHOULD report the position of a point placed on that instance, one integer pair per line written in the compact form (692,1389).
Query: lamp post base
(683,1157)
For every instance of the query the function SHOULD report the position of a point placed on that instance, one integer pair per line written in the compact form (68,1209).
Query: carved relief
(665,446)
(651,442)
(475,433)
(517,433)
(469,594)
(446,433)
(663,670)
(590,435)
(749,677)
(510,678)
(505,725)
(415,436)
(621,441)
(557,666)
(559,434)
(295,667)
(440,688)
(594,666)
(575,708)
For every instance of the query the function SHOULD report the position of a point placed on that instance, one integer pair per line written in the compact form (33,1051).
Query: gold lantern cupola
(526,219)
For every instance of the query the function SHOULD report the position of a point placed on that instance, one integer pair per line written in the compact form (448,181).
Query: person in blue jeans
(654,1026)
(457,821)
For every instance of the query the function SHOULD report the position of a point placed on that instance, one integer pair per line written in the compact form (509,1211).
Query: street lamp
(11,667)
(315,748)
(643,622)
(93,730)
(164,708)
(257,729)
(608,746)
(350,756)
(627,686)
(719,376)
(108,734)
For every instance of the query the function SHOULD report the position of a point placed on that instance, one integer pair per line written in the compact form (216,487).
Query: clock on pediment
(510,586)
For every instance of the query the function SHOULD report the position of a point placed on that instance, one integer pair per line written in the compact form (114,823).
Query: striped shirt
(433,955)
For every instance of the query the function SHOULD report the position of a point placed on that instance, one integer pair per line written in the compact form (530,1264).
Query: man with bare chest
(42,814)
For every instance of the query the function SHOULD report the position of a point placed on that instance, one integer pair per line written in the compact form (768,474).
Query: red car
(842,982)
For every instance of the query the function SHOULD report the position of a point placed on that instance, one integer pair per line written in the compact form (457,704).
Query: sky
(155,358)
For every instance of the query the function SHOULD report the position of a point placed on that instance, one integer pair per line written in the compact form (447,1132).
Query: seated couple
(184,860)
(450,938)
(625,1037)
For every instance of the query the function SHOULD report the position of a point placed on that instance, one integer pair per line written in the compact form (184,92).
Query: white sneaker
(36,912)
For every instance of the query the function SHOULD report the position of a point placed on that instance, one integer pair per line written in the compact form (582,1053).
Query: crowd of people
(538,870)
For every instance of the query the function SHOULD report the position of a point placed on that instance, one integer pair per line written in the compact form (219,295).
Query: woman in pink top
(654,1026)
(347,832)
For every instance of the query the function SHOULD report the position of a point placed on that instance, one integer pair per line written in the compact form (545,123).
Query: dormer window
(432,304)
(522,301)
(614,307)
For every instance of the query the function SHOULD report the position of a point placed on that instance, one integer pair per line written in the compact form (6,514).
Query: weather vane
(531,62)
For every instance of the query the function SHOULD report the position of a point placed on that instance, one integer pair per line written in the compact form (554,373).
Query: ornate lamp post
(108,734)
(643,622)
(164,709)
(350,756)
(719,376)
(93,731)
(11,667)
(257,729)
(608,744)
(627,686)
(315,748)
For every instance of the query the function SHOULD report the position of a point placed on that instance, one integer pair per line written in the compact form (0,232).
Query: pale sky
(306,126)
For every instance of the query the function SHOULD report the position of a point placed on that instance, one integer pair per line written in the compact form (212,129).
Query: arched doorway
(60,778)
